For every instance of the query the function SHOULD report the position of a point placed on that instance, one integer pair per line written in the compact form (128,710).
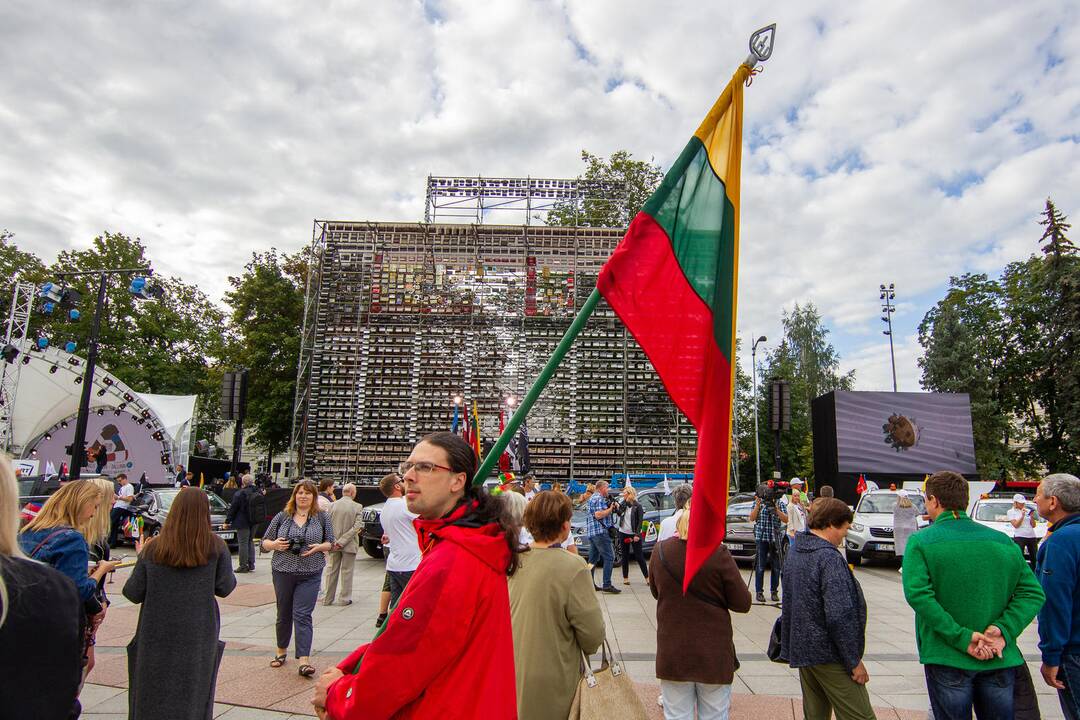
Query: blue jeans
(766,552)
(600,550)
(296,595)
(954,692)
(1069,674)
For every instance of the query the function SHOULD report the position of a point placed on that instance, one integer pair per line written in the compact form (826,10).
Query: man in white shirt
(681,495)
(529,487)
(1022,520)
(796,521)
(399,534)
(121,509)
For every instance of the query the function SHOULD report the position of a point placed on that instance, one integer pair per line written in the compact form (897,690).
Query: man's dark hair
(487,508)
(386,485)
(121,475)
(825,491)
(949,488)
(829,513)
(326,484)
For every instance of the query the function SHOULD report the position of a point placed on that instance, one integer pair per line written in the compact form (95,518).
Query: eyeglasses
(422,468)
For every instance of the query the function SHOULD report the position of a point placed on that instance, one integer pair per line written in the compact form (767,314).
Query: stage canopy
(47,401)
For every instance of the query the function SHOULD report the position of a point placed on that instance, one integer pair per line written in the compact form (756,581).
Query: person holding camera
(298,537)
(769,516)
(598,522)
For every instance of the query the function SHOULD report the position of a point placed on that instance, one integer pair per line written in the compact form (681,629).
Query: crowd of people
(489,586)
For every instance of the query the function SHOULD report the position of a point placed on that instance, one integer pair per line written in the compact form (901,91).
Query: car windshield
(886,503)
(998,511)
(217,505)
(739,512)
(651,502)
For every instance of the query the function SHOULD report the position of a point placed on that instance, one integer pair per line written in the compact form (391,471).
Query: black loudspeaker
(779,405)
(234,395)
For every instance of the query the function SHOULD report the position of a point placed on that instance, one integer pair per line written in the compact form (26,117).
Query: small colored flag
(504,459)
(861,487)
(474,431)
(202,480)
(29,511)
(454,421)
(667,485)
(518,450)
(50,469)
(673,281)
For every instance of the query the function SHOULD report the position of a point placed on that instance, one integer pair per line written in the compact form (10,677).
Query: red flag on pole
(504,459)
(861,487)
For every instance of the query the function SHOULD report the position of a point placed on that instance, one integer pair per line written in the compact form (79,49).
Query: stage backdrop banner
(904,433)
(129,448)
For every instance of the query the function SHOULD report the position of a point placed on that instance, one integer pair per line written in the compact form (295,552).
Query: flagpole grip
(537,387)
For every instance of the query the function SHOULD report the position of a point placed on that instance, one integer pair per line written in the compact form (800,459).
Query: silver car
(871,533)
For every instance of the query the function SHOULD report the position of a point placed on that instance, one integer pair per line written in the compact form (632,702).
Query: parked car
(739,537)
(991,512)
(871,533)
(371,535)
(152,505)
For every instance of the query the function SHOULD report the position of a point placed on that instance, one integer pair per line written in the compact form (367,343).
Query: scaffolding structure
(402,317)
(18,327)
(474,198)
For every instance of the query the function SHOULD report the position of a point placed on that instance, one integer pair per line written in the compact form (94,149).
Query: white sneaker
(660,700)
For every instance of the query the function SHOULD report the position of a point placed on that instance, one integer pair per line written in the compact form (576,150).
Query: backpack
(256,506)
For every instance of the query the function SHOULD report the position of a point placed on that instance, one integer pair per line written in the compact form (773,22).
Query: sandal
(278,661)
(306,670)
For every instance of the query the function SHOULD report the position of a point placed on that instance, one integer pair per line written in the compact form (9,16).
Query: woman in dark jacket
(695,650)
(173,658)
(41,630)
(823,621)
(630,516)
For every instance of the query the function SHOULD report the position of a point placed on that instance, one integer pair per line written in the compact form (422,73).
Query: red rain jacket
(447,650)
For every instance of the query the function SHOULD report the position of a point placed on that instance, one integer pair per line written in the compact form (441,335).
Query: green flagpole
(537,387)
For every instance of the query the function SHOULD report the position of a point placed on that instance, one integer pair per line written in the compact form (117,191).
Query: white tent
(50,385)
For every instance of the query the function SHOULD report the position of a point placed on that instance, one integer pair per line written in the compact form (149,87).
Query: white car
(991,512)
(871,533)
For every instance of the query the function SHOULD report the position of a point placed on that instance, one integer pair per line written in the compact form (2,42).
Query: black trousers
(1029,547)
(639,554)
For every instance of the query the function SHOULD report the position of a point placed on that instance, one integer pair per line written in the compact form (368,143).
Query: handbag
(775,651)
(606,692)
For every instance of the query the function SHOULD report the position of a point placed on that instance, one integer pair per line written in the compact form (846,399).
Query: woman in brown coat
(695,651)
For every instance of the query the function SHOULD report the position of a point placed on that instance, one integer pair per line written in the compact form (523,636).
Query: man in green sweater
(973,595)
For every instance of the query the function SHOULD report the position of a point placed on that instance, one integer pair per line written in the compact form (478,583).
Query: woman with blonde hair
(299,536)
(40,623)
(631,514)
(97,536)
(695,650)
(178,574)
(57,537)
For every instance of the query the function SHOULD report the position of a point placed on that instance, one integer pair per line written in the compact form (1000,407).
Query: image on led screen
(887,432)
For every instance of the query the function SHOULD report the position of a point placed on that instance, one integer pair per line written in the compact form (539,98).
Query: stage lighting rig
(9,353)
(53,369)
(70,346)
(141,287)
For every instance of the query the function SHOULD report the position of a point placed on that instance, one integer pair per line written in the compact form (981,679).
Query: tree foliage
(1012,345)
(640,178)
(267,302)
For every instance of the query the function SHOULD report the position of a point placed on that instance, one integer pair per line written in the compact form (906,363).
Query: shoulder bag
(606,692)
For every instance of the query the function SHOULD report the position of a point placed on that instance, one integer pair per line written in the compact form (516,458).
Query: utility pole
(757,443)
(887,295)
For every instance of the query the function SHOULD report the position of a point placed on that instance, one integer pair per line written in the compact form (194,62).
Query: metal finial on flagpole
(761,45)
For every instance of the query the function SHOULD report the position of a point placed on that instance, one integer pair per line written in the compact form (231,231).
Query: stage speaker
(234,395)
(779,405)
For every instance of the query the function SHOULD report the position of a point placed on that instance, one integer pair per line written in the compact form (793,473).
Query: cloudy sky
(886,141)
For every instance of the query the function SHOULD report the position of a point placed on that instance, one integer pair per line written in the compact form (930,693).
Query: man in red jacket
(446,650)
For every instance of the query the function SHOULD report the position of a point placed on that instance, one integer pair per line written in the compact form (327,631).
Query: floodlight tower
(887,295)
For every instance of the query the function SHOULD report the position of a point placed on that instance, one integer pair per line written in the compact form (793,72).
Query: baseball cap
(1019,498)
(796,481)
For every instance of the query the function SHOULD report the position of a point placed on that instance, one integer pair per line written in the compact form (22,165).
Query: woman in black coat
(174,657)
(630,516)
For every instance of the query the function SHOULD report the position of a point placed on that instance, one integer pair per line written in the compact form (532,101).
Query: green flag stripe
(692,206)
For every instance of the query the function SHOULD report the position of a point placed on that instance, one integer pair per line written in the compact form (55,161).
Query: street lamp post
(887,295)
(757,444)
(78,452)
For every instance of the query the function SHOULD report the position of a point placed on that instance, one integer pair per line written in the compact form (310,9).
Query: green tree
(810,363)
(15,262)
(267,303)
(638,177)
(965,351)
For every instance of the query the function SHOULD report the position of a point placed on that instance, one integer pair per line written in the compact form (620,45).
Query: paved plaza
(248,689)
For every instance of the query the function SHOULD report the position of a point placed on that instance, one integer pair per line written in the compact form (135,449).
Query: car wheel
(854,558)
(371,547)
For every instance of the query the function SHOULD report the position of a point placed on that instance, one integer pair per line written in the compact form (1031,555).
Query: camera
(771,491)
(296,546)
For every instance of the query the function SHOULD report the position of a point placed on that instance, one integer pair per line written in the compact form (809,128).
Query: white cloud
(901,142)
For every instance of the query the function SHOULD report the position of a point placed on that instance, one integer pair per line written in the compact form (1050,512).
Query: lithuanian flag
(474,437)
(673,281)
